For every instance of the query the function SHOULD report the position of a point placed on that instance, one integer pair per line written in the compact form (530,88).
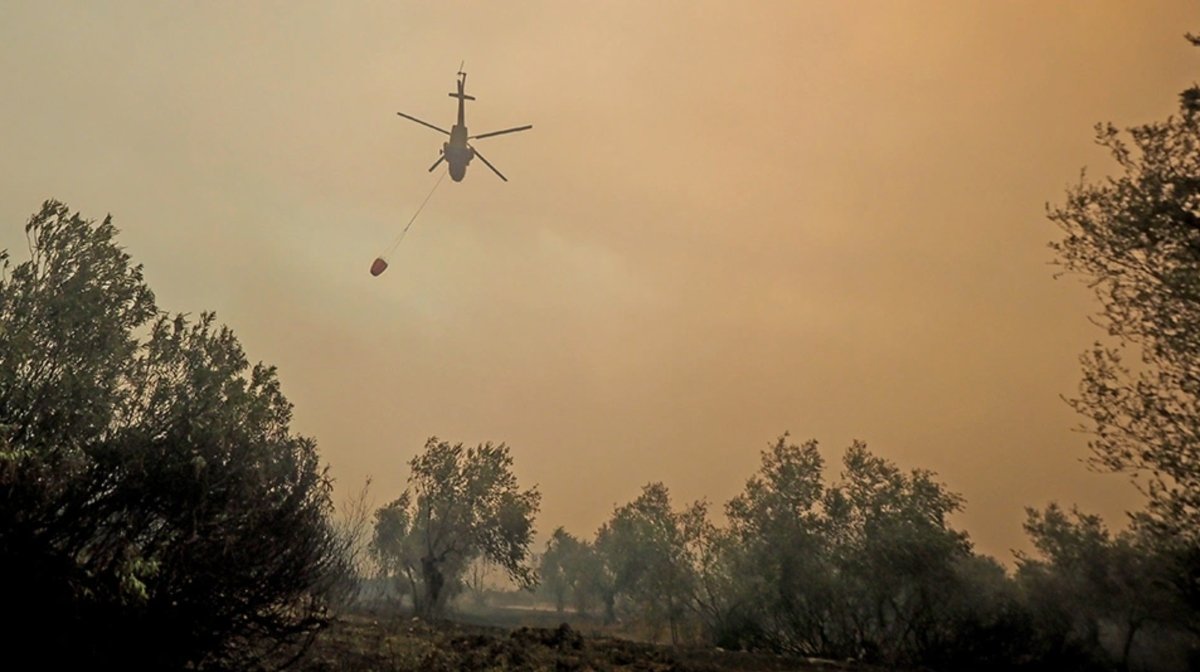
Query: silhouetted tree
(1136,237)
(782,595)
(645,544)
(596,581)
(712,552)
(894,553)
(1083,578)
(866,567)
(155,509)
(395,546)
(461,504)
(980,621)
(560,569)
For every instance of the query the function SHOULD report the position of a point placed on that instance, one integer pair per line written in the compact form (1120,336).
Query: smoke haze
(728,221)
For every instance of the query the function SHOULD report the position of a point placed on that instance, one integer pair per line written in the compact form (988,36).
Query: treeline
(869,567)
(866,567)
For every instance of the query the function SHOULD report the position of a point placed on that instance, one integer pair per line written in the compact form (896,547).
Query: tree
(560,568)
(1136,237)
(980,622)
(713,553)
(461,504)
(645,544)
(1084,577)
(894,554)
(395,546)
(865,567)
(781,559)
(155,508)
(597,580)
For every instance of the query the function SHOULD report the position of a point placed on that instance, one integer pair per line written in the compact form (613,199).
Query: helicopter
(457,152)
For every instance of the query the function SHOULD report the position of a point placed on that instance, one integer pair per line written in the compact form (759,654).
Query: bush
(156,511)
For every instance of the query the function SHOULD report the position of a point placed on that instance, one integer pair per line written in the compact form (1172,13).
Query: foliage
(461,504)
(982,621)
(561,570)
(894,554)
(1136,237)
(1084,579)
(395,545)
(863,567)
(711,552)
(866,567)
(593,578)
(155,508)
(646,545)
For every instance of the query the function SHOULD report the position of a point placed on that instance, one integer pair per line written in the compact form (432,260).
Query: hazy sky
(730,220)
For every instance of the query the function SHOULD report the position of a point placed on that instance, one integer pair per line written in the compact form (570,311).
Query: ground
(377,641)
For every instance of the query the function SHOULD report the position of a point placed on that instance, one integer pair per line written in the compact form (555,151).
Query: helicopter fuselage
(458,152)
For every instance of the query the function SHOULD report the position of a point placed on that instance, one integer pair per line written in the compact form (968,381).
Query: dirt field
(366,641)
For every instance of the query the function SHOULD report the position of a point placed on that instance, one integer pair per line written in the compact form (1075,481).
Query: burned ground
(375,641)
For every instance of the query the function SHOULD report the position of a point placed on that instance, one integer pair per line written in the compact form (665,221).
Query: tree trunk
(431,573)
(1133,626)
(412,585)
(671,620)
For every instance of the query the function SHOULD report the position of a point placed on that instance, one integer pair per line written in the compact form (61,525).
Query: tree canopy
(1135,237)
(461,504)
(155,507)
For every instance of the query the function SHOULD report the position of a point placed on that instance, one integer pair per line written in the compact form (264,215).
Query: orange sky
(730,220)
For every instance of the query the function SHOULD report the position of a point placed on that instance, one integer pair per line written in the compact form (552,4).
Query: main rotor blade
(423,123)
(507,130)
(437,163)
(489,164)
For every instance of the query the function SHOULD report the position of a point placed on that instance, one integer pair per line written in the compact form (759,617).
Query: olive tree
(781,586)
(461,504)
(560,566)
(1083,577)
(894,553)
(1135,237)
(155,508)
(646,545)
(865,567)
